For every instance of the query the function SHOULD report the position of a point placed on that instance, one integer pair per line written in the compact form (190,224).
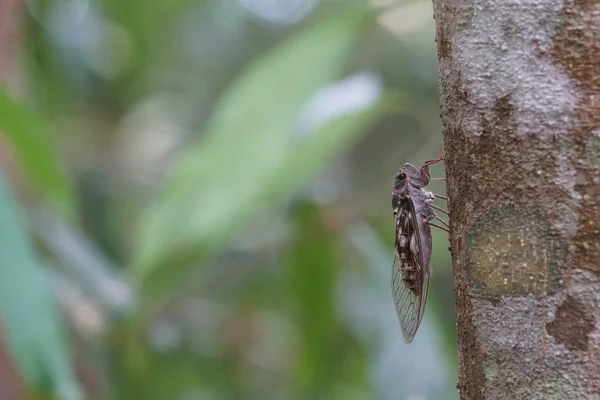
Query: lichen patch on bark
(514,251)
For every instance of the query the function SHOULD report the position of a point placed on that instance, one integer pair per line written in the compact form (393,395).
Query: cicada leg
(438,226)
(445,227)
(434,161)
(424,170)
(438,208)
(432,217)
(443,222)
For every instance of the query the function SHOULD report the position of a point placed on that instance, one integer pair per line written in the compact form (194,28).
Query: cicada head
(401,182)
(413,175)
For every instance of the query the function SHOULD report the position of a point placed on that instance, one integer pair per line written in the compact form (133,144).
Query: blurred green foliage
(32,327)
(30,139)
(194,175)
(234,170)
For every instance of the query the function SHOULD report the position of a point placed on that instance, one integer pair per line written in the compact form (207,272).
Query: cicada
(413,215)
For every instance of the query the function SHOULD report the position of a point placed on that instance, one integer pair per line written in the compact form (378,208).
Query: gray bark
(520,100)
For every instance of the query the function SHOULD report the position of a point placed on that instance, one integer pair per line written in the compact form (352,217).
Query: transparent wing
(410,296)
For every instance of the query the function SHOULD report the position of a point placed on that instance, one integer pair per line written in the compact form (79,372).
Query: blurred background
(195,200)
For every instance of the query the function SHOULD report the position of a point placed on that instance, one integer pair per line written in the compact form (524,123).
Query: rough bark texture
(520,99)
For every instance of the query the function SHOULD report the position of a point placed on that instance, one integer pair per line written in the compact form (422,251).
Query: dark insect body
(413,215)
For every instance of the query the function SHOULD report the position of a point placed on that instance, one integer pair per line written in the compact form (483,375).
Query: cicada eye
(401,176)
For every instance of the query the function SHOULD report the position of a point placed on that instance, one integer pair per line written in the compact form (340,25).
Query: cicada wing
(407,304)
(410,295)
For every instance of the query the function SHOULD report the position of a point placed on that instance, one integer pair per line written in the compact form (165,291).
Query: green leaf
(29,139)
(311,278)
(329,356)
(312,156)
(30,318)
(239,166)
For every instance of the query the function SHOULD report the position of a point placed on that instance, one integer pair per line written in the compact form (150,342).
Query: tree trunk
(520,100)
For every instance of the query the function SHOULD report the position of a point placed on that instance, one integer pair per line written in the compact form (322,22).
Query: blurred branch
(80,259)
(11,386)
(10,382)
(10,21)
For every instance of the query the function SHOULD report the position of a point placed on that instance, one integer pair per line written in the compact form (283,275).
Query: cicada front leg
(424,170)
